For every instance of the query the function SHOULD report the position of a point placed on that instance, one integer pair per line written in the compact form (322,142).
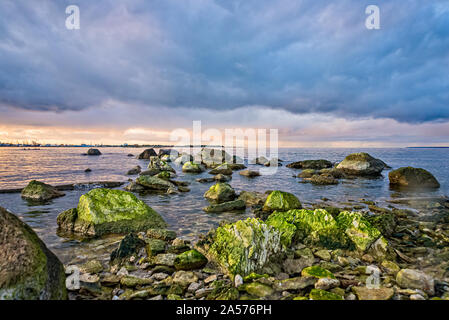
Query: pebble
(417,297)
(211,278)
(122,272)
(238,281)
(159,276)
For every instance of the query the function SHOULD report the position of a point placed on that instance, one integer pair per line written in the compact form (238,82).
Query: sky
(138,69)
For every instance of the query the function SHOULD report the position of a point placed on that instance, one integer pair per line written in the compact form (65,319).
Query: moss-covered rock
(39,191)
(311,164)
(222,169)
(312,227)
(323,180)
(105,211)
(249,173)
(155,246)
(307,173)
(253,198)
(358,229)
(317,294)
(220,192)
(243,247)
(361,164)
(257,289)
(128,246)
(317,272)
(154,183)
(158,164)
(213,157)
(236,205)
(28,270)
(190,260)
(282,201)
(412,178)
(192,167)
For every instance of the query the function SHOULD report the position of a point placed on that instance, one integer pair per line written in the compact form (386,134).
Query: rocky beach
(266,243)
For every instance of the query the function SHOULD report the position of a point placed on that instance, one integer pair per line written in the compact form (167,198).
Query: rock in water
(220,192)
(213,157)
(413,178)
(130,245)
(192,167)
(106,211)
(134,171)
(39,191)
(28,270)
(311,164)
(282,201)
(249,173)
(242,247)
(226,206)
(222,169)
(158,164)
(361,164)
(146,154)
(93,152)
(154,183)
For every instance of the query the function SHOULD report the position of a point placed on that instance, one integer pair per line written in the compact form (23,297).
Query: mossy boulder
(281,201)
(28,270)
(311,164)
(222,169)
(307,173)
(242,247)
(154,183)
(105,211)
(192,167)
(412,178)
(157,164)
(318,294)
(220,192)
(323,180)
(190,260)
(213,157)
(362,164)
(317,227)
(39,191)
(235,205)
(358,229)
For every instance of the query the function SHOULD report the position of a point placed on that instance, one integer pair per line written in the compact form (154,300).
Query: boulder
(93,152)
(28,270)
(158,164)
(172,153)
(415,279)
(154,183)
(39,191)
(364,293)
(260,160)
(252,198)
(134,187)
(307,173)
(413,178)
(190,260)
(147,154)
(282,201)
(183,158)
(213,157)
(311,164)
(222,169)
(358,229)
(222,178)
(361,164)
(192,167)
(236,205)
(106,211)
(323,180)
(128,246)
(249,173)
(242,247)
(220,192)
(134,171)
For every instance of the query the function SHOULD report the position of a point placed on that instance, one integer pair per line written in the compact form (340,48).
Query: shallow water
(183,211)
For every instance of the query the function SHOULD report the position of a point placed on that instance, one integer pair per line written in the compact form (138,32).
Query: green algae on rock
(190,260)
(220,192)
(242,247)
(358,229)
(361,164)
(154,183)
(235,205)
(39,191)
(192,167)
(105,211)
(317,272)
(412,178)
(282,201)
(28,270)
(318,294)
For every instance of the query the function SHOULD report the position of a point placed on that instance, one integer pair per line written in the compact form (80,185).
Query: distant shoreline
(427,147)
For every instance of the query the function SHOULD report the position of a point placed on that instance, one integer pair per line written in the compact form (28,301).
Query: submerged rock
(311,164)
(134,171)
(105,211)
(249,173)
(242,247)
(282,201)
(361,164)
(220,192)
(226,206)
(147,154)
(413,178)
(93,152)
(39,191)
(28,270)
(192,167)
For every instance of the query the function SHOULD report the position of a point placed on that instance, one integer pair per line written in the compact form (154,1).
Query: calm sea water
(183,211)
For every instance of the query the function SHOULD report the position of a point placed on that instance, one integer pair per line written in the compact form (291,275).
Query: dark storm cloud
(301,56)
